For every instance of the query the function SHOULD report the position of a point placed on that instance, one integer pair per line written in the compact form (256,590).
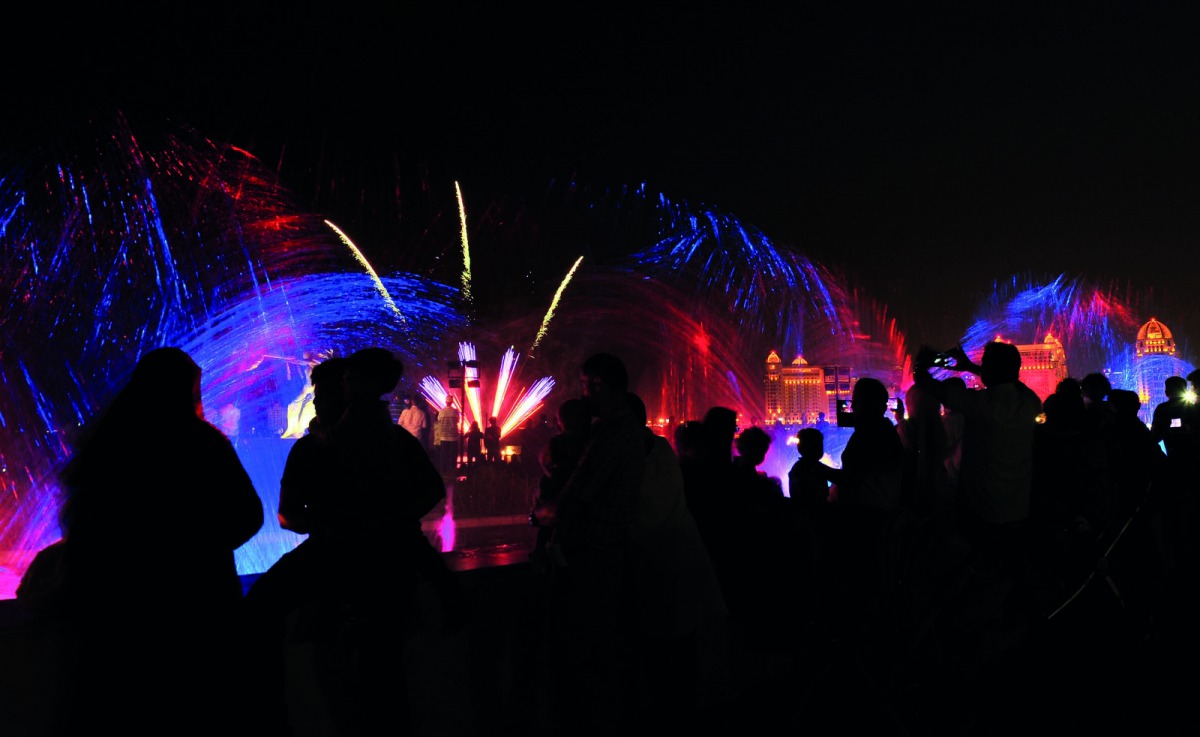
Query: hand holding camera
(952,360)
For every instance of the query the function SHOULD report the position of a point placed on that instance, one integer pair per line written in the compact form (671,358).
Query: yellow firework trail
(554,303)
(462,219)
(366,265)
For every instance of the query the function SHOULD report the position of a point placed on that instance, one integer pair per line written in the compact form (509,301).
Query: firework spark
(508,364)
(370,269)
(530,401)
(553,304)
(471,388)
(466,248)
(520,409)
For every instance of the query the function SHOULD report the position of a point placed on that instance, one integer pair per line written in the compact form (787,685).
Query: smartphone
(893,404)
(1176,422)
(845,413)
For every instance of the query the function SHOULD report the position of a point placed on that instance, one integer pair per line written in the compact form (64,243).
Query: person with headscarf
(156,503)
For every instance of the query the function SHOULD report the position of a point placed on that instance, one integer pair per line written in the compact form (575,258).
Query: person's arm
(921,376)
(963,362)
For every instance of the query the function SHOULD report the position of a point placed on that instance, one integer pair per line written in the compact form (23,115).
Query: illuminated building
(798,393)
(1043,365)
(1154,338)
(1154,343)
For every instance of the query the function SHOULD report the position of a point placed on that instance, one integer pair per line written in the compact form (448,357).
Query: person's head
(162,393)
(1194,378)
(870,397)
(1001,364)
(370,373)
(689,439)
(329,394)
(637,406)
(1125,402)
(1064,408)
(165,381)
(720,426)
(920,403)
(1069,386)
(574,416)
(605,382)
(408,402)
(493,421)
(1175,387)
(721,421)
(474,426)
(752,445)
(810,443)
(1095,388)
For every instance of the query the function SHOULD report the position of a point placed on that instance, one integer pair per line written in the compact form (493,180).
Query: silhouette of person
(674,595)
(808,486)
(473,442)
(998,433)
(157,501)
(872,461)
(761,542)
(358,485)
(689,441)
(992,501)
(414,419)
(491,440)
(311,476)
(952,424)
(1139,461)
(558,460)
(752,445)
(1170,422)
(592,518)
(708,483)
(708,470)
(926,451)
(389,484)
(446,437)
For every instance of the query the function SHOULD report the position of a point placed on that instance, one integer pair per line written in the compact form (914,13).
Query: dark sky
(927,152)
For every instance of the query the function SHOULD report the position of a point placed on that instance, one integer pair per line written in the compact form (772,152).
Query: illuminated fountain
(1097,325)
(515,409)
(114,245)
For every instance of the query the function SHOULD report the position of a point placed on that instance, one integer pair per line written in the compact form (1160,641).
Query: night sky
(925,152)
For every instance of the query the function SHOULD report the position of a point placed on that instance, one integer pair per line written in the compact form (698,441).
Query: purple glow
(1097,326)
(116,249)
(520,409)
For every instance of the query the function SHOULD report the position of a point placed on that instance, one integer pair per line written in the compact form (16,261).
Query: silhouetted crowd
(950,532)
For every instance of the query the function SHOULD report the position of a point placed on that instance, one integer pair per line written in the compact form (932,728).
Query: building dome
(773,357)
(799,361)
(1154,339)
(1154,330)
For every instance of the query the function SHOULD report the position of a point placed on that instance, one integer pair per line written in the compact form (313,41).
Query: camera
(845,413)
(944,360)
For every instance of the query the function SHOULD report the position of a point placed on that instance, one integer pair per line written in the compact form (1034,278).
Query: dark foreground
(1095,667)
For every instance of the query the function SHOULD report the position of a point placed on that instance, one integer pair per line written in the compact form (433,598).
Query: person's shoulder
(661,445)
(402,436)
(205,431)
